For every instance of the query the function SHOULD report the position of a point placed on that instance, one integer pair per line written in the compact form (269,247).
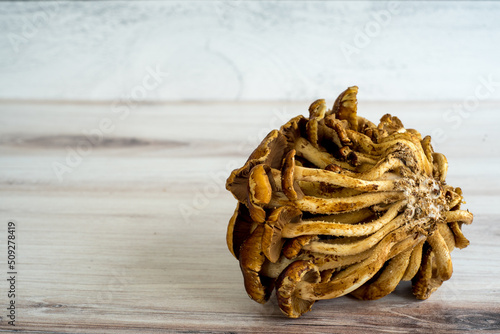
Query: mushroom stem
(367,159)
(353,217)
(442,256)
(394,140)
(390,163)
(349,279)
(447,235)
(341,248)
(273,270)
(329,261)
(321,175)
(460,240)
(415,259)
(365,143)
(325,262)
(424,284)
(410,242)
(319,189)
(388,279)
(293,230)
(376,172)
(440,166)
(339,128)
(357,158)
(370,172)
(336,205)
(319,158)
(459,216)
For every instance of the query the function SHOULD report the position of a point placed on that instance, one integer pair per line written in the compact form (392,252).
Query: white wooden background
(248,50)
(130,235)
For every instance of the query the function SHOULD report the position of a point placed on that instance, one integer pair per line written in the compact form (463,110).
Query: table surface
(127,234)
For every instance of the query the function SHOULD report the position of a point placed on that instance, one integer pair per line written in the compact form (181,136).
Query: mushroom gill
(334,204)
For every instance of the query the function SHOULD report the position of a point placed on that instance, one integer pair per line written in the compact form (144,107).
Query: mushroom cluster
(333,204)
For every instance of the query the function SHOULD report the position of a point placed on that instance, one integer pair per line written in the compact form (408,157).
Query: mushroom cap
(349,155)
(317,112)
(317,109)
(272,240)
(259,192)
(259,185)
(368,128)
(440,166)
(289,185)
(292,247)
(269,152)
(257,286)
(391,124)
(294,129)
(252,189)
(346,106)
(424,284)
(339,126)
(286,286)
(239,229)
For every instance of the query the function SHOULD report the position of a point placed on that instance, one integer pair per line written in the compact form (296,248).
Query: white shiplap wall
(249,50)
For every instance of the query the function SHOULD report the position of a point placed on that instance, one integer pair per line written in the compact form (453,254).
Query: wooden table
(131,237)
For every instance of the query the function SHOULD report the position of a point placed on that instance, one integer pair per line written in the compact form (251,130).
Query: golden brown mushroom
(285,222)
(258,287)
(268,154)
(239,229)
(335,204)
(289,301)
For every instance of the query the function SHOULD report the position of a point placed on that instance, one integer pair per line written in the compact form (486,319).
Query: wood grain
(249,50)
(133,239)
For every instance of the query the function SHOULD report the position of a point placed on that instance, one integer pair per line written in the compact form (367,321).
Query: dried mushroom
(334,204)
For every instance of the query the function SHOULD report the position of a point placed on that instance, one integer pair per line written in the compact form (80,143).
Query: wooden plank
(133,239)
